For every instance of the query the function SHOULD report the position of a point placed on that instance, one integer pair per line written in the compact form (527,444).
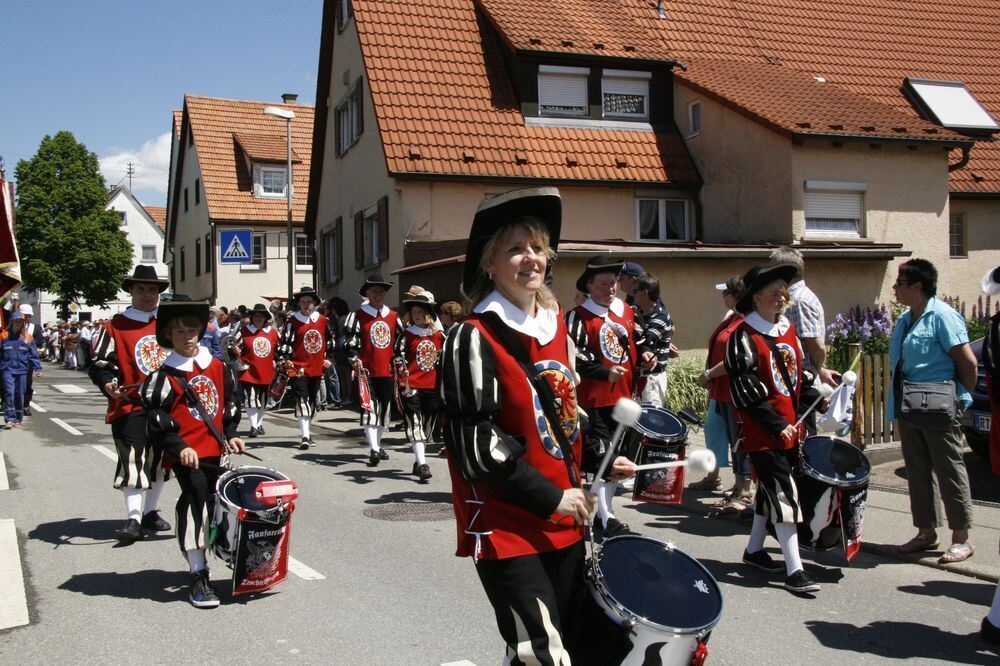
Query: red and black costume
(376,338)
(257,347)
(422,352)
(306,341)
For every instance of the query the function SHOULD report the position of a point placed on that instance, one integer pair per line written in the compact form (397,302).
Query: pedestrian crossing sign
(236,246)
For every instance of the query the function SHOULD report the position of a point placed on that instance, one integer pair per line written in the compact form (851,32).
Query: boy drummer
(306,344)
(422,353)
(190,404)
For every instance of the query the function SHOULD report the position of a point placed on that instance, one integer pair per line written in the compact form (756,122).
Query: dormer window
(562,91)
(269,180)
(625,94)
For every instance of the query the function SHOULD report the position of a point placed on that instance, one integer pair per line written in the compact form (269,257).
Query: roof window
(562,91)
(625,93)
(949,103)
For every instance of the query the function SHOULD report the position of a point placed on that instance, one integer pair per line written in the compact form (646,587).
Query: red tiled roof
(793,102)
(178,116)
(265,147)
(866,47)
(445,105)
(576,26)
(159,215)
(226,181)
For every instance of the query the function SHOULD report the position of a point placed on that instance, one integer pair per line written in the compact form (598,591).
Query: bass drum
(667,600)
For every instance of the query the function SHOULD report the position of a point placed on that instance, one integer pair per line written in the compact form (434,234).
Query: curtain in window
(675,220)
(649,219)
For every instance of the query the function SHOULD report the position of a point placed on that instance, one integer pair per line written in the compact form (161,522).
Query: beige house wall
(191,225)
(963,274)
(746,169)
(245,284)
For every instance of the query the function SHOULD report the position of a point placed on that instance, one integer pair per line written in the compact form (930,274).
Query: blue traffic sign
(236,246)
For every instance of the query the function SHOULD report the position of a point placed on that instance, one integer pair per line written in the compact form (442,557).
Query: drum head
(835,462)
(661,424)
(660,584)
(238,487)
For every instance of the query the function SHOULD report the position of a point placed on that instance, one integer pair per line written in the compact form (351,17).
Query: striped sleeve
(588,366)
(741,365)
(286,341)
(104,367)
(231,411)
(158,398)
(352,336)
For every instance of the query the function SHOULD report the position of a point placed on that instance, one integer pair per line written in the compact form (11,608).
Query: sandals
(920,543)
(732,506)
(957,552)
(706,484)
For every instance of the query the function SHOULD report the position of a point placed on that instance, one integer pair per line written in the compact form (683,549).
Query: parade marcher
(256,344)
(657,333)
(764,363)
(517,505)
(305,350)
(422,353)
(340,310)
(990,628)
(604,331)
(189,405)
(18,360)
(38,335)
(125,353)
(930,344)
(449,313)
(374,338)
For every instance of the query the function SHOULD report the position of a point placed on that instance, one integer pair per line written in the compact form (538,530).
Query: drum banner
(660,486)
(852,518)
(261,560)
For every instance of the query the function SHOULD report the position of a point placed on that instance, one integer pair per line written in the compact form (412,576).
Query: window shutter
(360,92)
(338,226)
(562,90)
(337,132)
(359,239)
(383,229)
(626,86)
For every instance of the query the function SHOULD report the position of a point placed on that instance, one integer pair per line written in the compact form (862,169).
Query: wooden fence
(871,401)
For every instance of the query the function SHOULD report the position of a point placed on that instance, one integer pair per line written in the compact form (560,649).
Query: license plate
(981,422)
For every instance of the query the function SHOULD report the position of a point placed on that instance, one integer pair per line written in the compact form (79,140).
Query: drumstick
(825,391)
(700,461)
(626,412)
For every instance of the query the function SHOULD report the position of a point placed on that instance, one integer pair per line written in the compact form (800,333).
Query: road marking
(302,571)
(13,602)
(3,474)
(67,427)
(105,451)
(464,662)
(69,388)
(38,408)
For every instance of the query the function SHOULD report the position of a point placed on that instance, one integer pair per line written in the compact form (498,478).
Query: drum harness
(779,362)
(191,397)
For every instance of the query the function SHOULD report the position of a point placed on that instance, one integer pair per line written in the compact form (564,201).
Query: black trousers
(304,389)
(381,391)
(139,463)
(196,503)
(420,414)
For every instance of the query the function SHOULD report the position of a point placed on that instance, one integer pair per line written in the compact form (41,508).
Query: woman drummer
(764,363)
(518,507)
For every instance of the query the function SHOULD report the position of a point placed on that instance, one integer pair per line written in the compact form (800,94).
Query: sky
(111,72)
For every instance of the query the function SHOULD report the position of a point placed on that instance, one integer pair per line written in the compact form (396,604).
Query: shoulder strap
(779,362)
(189,394)
(508,338)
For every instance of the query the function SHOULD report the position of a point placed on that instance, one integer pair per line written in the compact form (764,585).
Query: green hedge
(682,385)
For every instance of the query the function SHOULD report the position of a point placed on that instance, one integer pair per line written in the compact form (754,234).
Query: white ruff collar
(758,323)
(139,315)
(617,306)
(417,330)
(382,312)
(311,319)
(542,326)
(185,363)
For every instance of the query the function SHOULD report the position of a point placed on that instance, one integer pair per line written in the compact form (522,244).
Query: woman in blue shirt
(930,343)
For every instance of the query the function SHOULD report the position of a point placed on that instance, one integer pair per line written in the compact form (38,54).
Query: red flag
(10,265)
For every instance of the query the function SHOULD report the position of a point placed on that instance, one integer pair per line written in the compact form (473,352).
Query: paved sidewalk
(887,514)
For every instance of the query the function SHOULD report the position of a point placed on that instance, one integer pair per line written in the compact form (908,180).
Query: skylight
(949,103)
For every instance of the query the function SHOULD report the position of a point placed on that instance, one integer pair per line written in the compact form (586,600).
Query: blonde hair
(483,284)
(783,291)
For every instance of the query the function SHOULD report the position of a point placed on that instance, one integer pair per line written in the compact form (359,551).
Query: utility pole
(130,171)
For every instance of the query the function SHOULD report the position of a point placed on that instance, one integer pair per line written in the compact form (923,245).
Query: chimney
(661,10)
(289,98)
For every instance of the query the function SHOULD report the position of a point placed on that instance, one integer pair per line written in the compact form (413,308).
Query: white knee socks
(151,500)
(994,615)
(605,491)
(372,435)
(133,502)
(757,534)
(418,452)
(196,559)
(788,537)
(304,426)
(256,417)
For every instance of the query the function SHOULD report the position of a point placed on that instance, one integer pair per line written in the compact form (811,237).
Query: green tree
(69,244)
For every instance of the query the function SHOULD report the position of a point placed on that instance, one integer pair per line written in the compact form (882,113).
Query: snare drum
(659,436)
(832,483)
(667,599)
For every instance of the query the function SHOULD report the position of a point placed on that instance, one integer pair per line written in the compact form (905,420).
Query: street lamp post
(280,112)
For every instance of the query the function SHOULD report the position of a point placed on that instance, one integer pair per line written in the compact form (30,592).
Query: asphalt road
(390,591)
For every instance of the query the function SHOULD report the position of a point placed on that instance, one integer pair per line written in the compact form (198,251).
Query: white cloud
(151,163)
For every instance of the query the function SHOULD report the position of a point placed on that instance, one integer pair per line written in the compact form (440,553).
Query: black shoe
(800,583)
(260,430)
(383,454)
(131,532)
(989,633)
(304,444)
(312,443)
(762,560)
(202,594)
(373,458)
(423,472)
(152,522)
(27,410)
(614,528)
(252,433)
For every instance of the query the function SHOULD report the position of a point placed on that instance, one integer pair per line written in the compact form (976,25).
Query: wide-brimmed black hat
(759,277)
(424,299)
(304,291)
(374,281)
(260,308)
(991,282)
(492,214)
(596,265)
(179,306)
(146,274)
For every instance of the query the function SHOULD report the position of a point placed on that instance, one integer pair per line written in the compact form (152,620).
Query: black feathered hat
(145,274)
(374,281)
(595,266)
(179,306)
(759,277)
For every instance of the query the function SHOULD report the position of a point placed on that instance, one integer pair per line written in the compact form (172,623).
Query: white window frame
(963,229)
(608,79)
(258,180)
(844,189)
(369,229)
(662,221)
(694,118)
(122,221)
(152,253)
(331,270)
(348,118)
(301,266)
(262,266)
(562,74)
